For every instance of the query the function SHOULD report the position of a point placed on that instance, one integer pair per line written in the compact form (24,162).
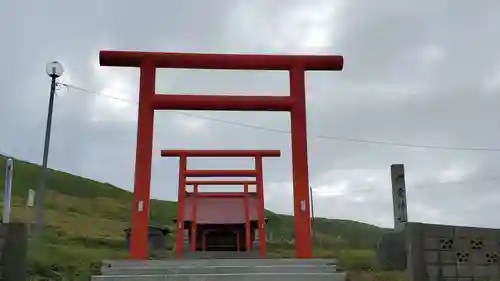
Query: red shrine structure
(220,221)
(149,101)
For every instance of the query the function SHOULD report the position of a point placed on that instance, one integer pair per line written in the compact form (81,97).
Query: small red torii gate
(149,101)
(257,173)
(246,209)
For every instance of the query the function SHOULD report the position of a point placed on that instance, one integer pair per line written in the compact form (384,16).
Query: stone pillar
(391,250)
(399,196)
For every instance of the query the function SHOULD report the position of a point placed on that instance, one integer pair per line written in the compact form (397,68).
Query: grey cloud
(415,72)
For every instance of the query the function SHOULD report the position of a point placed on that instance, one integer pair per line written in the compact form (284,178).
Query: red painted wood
(143,156)
(193,219)
(246,207)
(179,245)
(221,61)
(220,153)
(221,182)
(222,102)
(260,207)
(220,210)
(220,173)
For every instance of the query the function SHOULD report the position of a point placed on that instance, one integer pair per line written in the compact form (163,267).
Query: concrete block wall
(441,252)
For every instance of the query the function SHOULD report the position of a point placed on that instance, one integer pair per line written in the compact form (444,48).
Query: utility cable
(324,137)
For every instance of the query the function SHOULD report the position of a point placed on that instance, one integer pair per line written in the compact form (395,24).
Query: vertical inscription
(400,206)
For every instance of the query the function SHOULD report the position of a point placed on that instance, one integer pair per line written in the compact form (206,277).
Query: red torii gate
(149,101)
(245,184)
(257,173)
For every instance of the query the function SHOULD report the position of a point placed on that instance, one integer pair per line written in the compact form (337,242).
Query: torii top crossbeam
(221,61)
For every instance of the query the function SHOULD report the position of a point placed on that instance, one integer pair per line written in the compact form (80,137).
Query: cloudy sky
(417,72)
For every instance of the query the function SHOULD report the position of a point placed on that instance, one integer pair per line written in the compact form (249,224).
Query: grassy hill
(85,222)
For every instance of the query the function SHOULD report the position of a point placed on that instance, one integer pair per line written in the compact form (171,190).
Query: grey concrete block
(391,251)
(471,232)
(438,230)
(14,241)
(416,267)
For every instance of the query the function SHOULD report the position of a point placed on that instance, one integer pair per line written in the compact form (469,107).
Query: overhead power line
(324,137)
(457,182)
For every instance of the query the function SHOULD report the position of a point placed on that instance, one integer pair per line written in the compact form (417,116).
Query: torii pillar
(149,101)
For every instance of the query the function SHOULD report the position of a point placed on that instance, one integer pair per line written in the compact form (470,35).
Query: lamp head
(54,69)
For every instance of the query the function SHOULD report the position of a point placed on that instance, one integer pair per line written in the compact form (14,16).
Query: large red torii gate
(149,101)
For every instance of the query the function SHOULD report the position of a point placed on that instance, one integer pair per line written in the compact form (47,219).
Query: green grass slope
(85,222)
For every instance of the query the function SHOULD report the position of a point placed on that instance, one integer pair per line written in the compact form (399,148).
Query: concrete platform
(227,277)
(220,269)
(216,262)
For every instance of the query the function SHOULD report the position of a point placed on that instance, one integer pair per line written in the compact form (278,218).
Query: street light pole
(54,70)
